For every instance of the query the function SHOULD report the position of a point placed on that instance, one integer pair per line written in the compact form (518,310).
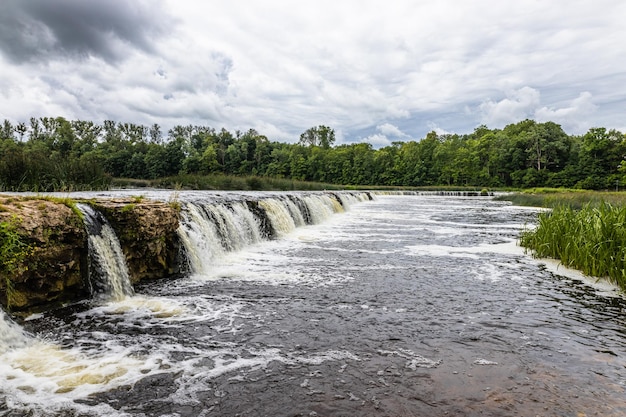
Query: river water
(400,306)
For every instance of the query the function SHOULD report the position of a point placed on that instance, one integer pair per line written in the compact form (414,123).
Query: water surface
(402,306)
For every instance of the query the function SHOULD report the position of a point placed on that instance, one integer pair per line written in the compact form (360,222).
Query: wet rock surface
(55,269)
(147,232)
(51,271)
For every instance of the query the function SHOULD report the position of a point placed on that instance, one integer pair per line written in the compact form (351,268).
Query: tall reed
(591,239)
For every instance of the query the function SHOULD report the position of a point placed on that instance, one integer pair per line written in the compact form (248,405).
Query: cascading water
(209,230)
(322,207)
(11,335)
(199,237)
(279,215)
(294,212)
(41,377)
(108,274)
(410,305)
(248,227)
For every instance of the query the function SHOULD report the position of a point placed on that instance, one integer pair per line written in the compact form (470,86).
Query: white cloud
(525,103)
(386,134)
(575,117)
(438,130)
(377,140)
(518,105)
(388,129)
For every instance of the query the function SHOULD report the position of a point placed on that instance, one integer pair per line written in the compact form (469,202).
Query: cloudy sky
(374,70)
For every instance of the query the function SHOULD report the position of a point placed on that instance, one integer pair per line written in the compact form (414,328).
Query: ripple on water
(402,306)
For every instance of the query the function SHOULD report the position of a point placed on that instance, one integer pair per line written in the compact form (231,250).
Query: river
(414,305)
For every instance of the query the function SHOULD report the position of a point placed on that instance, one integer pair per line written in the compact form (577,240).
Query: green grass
(128,208)
(66,201)
(591,239)
(227,182)
(260,183)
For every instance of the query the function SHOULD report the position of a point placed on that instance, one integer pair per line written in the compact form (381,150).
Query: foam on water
(45,376)
(508,247)
(602,285)
(143,307)
(272,263)
(414,360)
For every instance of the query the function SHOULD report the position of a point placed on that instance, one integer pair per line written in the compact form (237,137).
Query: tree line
(49,154)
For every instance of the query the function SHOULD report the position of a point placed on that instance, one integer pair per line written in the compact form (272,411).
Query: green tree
(601,155)
(321,135)
(6,130)
(280,162)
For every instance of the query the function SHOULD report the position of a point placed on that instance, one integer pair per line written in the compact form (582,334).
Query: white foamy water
(44,377)
(12,336)
(218,240)
(142,308)
(344,309)
(603,285)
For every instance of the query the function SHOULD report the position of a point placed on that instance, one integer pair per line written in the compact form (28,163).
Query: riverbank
(553,197)
(591,239)
(584,230)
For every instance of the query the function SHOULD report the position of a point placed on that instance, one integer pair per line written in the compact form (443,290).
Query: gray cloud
(370,69)
(41,30)
(526,103)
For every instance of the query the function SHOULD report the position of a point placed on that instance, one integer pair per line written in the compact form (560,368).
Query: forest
(55,154)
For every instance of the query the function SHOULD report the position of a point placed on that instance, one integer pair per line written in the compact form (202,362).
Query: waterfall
(108,274)
(279,215)
(321,207)
(295,212)
(348,199)
(12,336)
(210,229)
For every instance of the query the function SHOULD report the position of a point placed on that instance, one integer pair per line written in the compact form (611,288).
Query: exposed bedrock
(43,252)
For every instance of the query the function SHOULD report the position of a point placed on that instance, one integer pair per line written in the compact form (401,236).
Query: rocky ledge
(43,246)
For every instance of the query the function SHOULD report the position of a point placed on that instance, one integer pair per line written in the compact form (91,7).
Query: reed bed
(591,239)
(226,182)
(553,197)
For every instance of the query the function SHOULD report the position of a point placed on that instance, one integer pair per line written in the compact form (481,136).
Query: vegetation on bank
(554,197)
(54,154)
(225,182)
(591,239)
(13,252)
